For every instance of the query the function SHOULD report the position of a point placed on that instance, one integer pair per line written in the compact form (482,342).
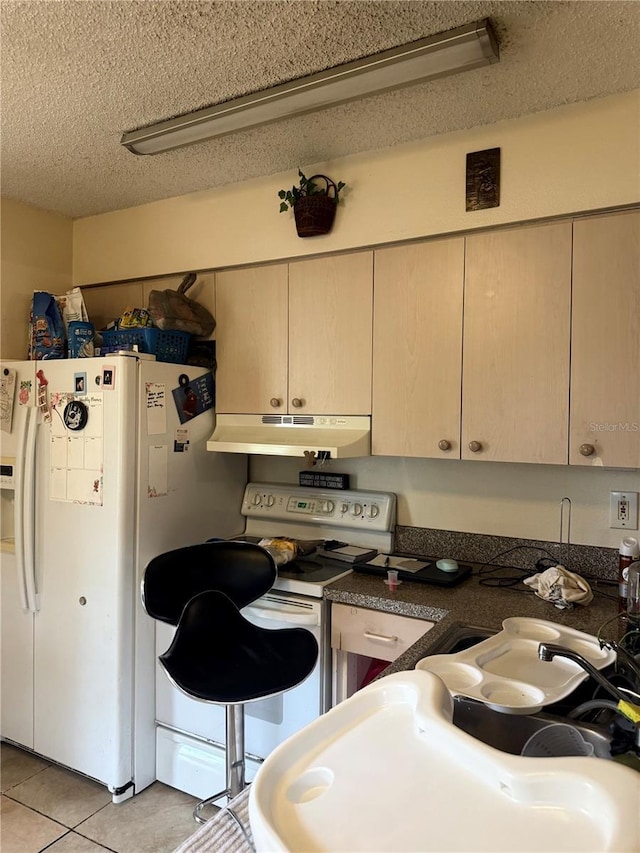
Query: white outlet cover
(623,510)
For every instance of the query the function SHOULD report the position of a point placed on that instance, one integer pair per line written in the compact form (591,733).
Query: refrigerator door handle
(19,512)
(29,511)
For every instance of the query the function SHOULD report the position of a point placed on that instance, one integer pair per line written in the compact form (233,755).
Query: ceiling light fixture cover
(462,49)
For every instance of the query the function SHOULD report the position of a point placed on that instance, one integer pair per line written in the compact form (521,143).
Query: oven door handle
(282,616)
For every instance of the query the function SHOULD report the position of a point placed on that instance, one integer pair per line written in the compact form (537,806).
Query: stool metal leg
(235,761)
(235,749)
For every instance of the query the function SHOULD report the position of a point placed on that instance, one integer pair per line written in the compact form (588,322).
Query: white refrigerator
(103,467)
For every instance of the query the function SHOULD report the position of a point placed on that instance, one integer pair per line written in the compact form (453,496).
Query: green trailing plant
(306,187)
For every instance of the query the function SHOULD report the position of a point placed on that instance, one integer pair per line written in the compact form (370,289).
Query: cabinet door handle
(297,403)
(381,638)
(475,446)
(275,402)
(444,444)
(587,449)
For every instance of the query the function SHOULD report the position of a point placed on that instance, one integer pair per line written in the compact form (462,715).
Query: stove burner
(312,569)
(301,566)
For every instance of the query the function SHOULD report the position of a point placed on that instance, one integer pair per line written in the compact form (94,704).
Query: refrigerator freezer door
(16,683)
(16,718)
(85,521)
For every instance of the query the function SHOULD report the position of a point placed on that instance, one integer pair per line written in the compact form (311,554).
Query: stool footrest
(197,811)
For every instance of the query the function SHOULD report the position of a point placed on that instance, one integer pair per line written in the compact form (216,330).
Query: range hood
(326,436)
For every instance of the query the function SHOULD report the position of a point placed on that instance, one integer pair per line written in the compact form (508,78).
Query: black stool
(217,655)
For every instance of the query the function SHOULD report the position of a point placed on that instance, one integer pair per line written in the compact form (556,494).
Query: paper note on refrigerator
(7,391)
(158,471)
(156,408)
(76,458)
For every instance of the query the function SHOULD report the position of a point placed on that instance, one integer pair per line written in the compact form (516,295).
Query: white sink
(506,672)
(388,771)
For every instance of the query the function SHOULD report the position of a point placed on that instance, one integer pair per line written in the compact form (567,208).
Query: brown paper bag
(173,310)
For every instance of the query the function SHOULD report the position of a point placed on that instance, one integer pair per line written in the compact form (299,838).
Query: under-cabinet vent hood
(326,436)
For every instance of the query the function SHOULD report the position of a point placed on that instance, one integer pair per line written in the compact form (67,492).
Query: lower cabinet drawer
(374,633)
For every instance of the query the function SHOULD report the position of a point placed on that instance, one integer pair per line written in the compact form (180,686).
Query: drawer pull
(382,638)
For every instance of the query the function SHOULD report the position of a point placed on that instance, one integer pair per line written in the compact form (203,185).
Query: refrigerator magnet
(80,383)
(194,396)
(24,394)
(43,396)
(108,377)
(181,440)
(75,415)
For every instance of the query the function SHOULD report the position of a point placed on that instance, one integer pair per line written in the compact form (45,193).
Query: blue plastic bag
(47,337)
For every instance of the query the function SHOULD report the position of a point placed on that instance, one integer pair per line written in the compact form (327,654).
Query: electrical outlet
(623,510)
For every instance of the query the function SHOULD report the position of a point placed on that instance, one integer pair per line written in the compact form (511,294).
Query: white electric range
(191,735)
(365,519)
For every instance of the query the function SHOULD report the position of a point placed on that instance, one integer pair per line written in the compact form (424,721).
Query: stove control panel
(375,511)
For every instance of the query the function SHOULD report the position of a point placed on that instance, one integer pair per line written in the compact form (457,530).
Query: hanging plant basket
(315,213)
(313,203)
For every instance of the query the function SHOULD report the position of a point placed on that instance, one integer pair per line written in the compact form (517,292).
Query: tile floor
(45,807)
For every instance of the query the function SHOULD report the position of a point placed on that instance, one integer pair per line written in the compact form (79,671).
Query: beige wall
(498,498)
(36,253)
(576,158)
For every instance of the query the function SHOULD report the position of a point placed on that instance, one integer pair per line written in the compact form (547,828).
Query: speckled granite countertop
(469,603)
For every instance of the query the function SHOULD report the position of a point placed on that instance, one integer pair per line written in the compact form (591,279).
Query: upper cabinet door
(417,350)
(251,335)
(330,329)
(605,355)
(515,386)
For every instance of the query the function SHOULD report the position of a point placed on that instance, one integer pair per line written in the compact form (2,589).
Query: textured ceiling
(75,74)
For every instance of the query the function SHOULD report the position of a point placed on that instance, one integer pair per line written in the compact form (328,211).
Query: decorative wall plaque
(483,179)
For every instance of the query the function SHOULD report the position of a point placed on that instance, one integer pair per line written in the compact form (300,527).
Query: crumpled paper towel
(561,587)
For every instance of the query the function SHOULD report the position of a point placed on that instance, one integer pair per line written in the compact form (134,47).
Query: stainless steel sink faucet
(548,651)
(626,660)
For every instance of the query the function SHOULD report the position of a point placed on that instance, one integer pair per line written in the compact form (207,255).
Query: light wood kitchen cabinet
(330,334)
(417,350)
(605,343)
(500,390)
(515,373)
(252,340)
(296,338)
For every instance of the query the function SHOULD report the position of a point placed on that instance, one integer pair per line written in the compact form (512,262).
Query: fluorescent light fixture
(467,47)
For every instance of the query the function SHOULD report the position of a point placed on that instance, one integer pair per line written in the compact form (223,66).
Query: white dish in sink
(504,671)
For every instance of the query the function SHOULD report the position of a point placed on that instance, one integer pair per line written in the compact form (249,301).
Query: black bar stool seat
(217,655)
